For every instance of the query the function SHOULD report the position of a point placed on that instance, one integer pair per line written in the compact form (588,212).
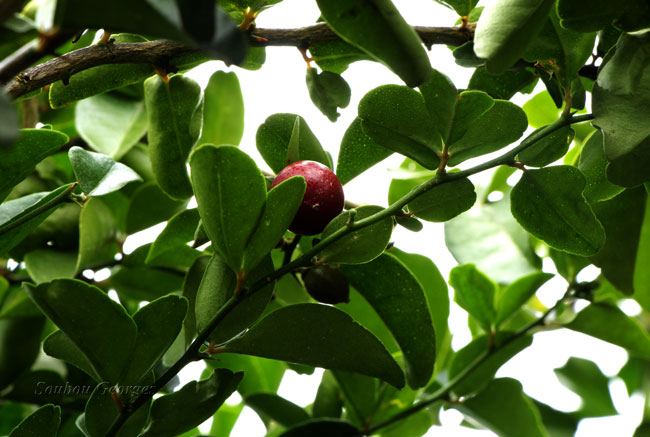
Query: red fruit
(323,199)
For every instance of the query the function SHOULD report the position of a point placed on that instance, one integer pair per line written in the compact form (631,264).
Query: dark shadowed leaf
(329,399)
(593,165)
(9,123)
(323,428)
(20,339)
(549,149)
(97,235)
(549,204)
(43,265)
(158,324)
(149,206)
(329,91)
(322,336)
(181,411)
(97,325)
(336,55)
(44,422)
(377,28)
(276,408)
(14,222)
(399,299)
(501,86)
(59,345)
(590,15)
(19,160)
(622,217)
(101,411)
(514,415)
(260,374)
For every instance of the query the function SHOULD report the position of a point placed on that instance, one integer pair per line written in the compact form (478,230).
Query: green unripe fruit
(327,284)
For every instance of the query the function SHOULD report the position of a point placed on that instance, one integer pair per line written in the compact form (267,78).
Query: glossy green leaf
(158,324)
(98,80)
(511,298)
(323,428)
(217,286)
(336,55)
(43,265)
(470,106)
(358,153)
(593,165)
(505,28)
(549,204)
(322,336)
(474,292)
(440,98)
(359,246)
(174,114)
(328,91)
(501,86)
(277,408)
(98,326)
(489,237)
(204,24)
(513,416)
(15,221)
(621,106)
(399,299)
(44,422)
(610,324)
(179,231)
(59,345)
(584,378)
(445,201)
(9,123)
(377,28)
(501,125)
(19,160)
(589,15)
(435,289)
(397,118)
(281,205)
(274,136)
(111,124)
(231,192)
(142,283)
(622,218)
(181,411)
(149,206)
(20,340)
(97,235)
(549,149)
(98,174)
(223,110)
(329,400)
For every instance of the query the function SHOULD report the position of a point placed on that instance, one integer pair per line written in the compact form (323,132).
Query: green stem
(444,391)
(192,352)
(63,196)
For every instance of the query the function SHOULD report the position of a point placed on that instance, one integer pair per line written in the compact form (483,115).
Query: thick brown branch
(61,68)
(160,52)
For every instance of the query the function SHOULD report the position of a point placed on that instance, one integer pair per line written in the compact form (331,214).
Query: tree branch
(192,352)
(162,52)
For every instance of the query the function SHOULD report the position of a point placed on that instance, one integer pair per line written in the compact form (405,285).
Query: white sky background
(280,87)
